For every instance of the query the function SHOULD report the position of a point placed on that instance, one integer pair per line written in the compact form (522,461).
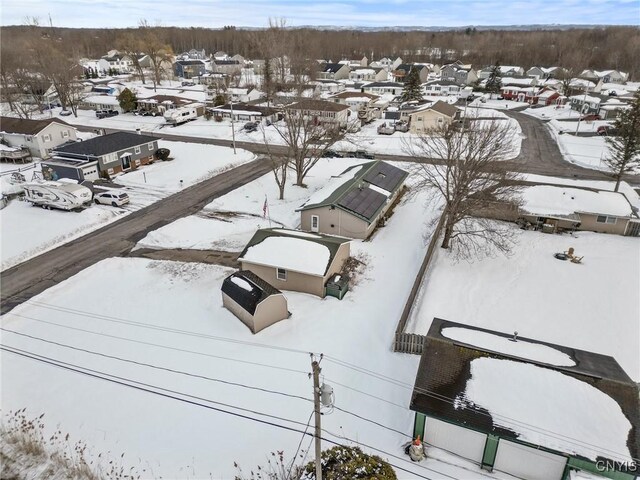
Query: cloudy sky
(381,13)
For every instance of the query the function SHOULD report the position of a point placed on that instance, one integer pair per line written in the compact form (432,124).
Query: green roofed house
(353,203)
(294,260)
(531,409)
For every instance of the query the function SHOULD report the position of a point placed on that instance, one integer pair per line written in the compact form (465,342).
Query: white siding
(528,463)
(459,440)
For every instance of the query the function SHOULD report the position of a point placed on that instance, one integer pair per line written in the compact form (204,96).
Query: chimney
(138,131)
(515,337)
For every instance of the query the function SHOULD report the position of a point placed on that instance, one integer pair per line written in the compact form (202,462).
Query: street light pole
(584,102)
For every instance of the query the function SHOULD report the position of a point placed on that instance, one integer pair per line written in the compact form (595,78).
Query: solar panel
(365,202)
(385,176)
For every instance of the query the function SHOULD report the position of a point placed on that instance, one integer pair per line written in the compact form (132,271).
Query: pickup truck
(385,129)
(106,113)
(360,154)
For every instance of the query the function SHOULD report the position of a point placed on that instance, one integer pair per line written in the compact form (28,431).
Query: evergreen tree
(343,462)
(267,79)
(494,82)
(127,100)
(624,146)
(412,89)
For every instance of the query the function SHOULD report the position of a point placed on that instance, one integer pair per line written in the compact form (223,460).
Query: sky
(369,13)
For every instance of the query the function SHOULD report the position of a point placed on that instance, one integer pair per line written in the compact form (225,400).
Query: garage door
(461,441)
(528,463)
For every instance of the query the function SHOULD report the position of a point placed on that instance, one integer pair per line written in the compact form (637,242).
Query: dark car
(590,117)
(606,130)
(106,113)
(360,154)
(331,154)
(250,127)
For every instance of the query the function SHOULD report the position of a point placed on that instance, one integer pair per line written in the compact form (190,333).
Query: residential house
(546,72)
(357,62)
(328,86)
(607,76)
(387,63)
(115,152)
(520,94)
(293,260)
(194,54)
(189,68)
(505,71)
(517,81)
(220,55)
(611,107)
(253,300)
(382,88)
(144,60)
(39,136)
(230,67)
(159,104)
(432,116)
(244,94)
(100,102)
(549,96)
(401,72)
(242,112)
(354,100)
(368,74)
(458,73)
(473,383)
(567,208)
(442,87)
(333,71)
(355,202)
(322,112)
(585,104)
(115,61)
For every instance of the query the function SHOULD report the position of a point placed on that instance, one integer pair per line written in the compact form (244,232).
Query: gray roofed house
(253,300)
(294,260)
(333,71)
(353,203)
(40,137)
(115,152)
(524,407)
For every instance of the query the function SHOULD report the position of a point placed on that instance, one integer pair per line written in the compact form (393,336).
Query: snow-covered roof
(585,98)
(364,71)
(550,200)
(295,254)
(520,348)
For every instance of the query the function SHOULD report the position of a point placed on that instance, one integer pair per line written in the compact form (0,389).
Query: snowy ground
(29,231)
(181,325)
(543,298)
(214,228)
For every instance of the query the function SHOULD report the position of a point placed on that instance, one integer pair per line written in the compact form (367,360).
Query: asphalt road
(23,281)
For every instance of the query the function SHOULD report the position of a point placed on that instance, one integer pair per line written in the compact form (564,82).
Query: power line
(148,389)
(293,460)
(159,345)
(157,367)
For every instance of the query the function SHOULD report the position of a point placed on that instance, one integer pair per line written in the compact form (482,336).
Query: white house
(39,136)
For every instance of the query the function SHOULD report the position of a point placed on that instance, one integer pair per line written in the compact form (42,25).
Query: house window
(606,219)
(281,274)
(150,146)
(65,133)
(137,149)
(46,138)
(419,119)
(28,138)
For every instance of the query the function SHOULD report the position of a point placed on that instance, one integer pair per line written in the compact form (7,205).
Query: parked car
(115,199)
(360,154)
(188,84)
(606,130)
(250,127)
(106,113)
(590,117)
(331,154)
(65,113)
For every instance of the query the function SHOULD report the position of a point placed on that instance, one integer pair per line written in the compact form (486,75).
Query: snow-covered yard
(543,298)
(170,315)
(29,231)
(230,221)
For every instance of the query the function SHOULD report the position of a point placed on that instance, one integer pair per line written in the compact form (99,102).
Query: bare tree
(131,46)
(306,138)
(565,77)
(465,169)
(279,165)
(160,53)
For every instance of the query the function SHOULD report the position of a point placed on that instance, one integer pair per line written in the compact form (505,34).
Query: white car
(115,199)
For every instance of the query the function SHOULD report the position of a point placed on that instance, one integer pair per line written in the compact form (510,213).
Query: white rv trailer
(61,195)
(178,116)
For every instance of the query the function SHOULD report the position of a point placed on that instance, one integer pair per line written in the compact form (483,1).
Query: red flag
(264,208)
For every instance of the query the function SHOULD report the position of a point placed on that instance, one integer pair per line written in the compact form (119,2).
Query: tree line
(576,48)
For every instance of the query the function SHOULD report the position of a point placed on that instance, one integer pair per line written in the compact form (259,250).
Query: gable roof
(384,84)
(465,371)
(190,62)
(247,289)
(308,253)
(444,108)
(356,95)
(332,67)
(361,190)
(104,144)
(318,105)
(26,126)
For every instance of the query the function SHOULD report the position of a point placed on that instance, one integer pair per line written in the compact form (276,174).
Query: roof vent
(515,337)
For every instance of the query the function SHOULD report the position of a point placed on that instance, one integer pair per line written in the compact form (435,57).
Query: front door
(126,162)
(315,223)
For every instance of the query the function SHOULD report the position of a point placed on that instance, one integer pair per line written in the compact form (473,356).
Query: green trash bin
(337,286)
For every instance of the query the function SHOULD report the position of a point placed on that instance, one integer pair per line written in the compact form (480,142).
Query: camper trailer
(178,116)
(60,195)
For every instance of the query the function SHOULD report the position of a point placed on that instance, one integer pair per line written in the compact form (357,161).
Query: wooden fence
(411,342)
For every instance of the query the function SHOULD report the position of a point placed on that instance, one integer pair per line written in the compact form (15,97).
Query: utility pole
(316,408)
(233,131)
